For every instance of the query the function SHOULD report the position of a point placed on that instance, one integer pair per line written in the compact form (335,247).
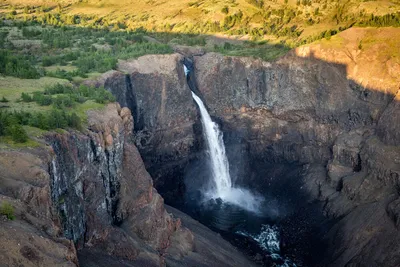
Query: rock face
(328,114)
(87,200)
(306,110)
(104,195)
(155,89)
(34,237)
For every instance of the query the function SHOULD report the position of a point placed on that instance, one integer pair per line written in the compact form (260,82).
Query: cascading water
(223,188)
(241,216)
(216,148)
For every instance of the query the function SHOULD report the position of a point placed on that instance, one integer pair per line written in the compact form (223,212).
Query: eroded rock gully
(300,109)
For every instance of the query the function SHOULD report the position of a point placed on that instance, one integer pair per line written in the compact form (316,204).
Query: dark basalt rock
(296,110)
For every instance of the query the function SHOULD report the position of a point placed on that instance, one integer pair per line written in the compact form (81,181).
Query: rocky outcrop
(210,249)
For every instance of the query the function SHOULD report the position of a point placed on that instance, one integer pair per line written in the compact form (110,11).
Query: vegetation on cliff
(7,210)
(64,109)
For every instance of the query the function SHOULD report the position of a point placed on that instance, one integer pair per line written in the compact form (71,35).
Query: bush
(8,210)
(17,133)
(74,121)
(42,100)
(48,61)
(58,89)
(27,33)
(15,65)
(63,101)
(26,97)
(4,100)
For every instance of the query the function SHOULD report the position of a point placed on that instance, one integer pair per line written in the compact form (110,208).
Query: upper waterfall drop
(223,188)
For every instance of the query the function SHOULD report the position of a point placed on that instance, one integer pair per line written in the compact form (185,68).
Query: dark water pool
(287,232)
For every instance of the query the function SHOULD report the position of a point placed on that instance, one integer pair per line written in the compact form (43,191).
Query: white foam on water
(269,240)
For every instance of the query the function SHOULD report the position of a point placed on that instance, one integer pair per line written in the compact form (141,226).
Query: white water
(223,188)
(268,240)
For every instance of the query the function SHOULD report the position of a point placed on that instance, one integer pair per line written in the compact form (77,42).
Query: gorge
(313,144)
(301,117)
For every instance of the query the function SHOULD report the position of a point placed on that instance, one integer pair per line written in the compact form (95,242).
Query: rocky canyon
(319,127)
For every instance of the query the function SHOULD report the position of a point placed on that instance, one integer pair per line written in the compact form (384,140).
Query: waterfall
(216,148)
(223,188)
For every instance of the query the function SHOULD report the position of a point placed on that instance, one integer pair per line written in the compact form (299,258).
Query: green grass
(12,87)
(6,141)
(59,67)
(88,105)
(34,132)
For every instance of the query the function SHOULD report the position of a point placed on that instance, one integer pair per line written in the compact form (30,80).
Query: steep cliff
(333,110)
(86,199)
(155,89)
(101,188)
(304,109)
(34,237)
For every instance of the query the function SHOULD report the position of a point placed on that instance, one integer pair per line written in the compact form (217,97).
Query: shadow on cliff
(277,119)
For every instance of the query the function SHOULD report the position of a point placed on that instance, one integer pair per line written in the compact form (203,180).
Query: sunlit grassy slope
(278,19)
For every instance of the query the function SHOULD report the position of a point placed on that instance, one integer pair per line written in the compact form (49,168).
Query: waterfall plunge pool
(261,211)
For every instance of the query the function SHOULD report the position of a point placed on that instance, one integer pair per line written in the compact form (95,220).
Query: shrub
(227,46)
(4,100)
(26,97)
(15,65)
(48,61)
(74,121)
(8,210)
(42,100)
(27,33)
(17,133)
(62,101)
(58,89)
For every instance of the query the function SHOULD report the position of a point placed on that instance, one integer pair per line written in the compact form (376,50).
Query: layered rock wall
(303,109)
